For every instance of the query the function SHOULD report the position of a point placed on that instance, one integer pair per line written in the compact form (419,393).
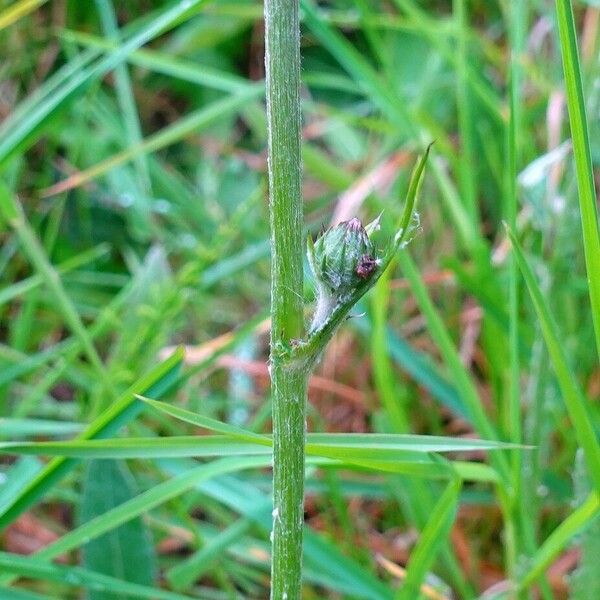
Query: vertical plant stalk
(345,265)
(289,382)
(512,411)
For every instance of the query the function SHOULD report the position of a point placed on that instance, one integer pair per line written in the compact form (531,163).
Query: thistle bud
(340,259)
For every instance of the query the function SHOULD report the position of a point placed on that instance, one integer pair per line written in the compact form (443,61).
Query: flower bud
(342,257)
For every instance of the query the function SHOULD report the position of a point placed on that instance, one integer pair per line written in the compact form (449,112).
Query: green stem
(289,384)
(512,415)
(288,481)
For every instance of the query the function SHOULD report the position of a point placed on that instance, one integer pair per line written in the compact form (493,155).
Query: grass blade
(573,396)
(560,537)
(148,500)
(169,135)
(24,286)
(430,541)
(342,446)
(12,212)
(121,411)
(440,334)
(18,10)
(583,157)
(97,583)
(125,553)
(370,441)
(20,131)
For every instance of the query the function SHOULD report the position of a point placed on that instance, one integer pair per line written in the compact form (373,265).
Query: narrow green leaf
(126,408)
(560,537)
(17,428)
(462,379)
(34,568)
(368,441)
(573,396)
(126,552)
(346,446)
(393,458)
(583,156)
(430,541)
(207,423)
(183,575)
(17,131)
(18,10)
(24,286)
(148,500)
(191,123)
(12,211)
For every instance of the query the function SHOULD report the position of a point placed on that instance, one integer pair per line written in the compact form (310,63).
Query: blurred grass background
(133,134)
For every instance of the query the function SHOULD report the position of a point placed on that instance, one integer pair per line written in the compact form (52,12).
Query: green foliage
(126,552)
(455,405)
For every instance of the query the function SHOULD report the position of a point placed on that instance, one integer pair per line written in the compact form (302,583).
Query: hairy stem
(289,388)
(282,60)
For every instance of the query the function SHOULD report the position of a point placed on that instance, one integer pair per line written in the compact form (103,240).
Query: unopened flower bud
(342,256)
(340,259)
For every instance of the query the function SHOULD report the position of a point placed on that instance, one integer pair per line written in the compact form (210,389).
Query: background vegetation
(134,219)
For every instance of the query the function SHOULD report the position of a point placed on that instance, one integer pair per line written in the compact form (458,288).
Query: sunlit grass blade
(409,442)
(391,458)
(120,412)
(18,10)
(151,447)
(207,423)
(430,541)
(572,394)
(583,157)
